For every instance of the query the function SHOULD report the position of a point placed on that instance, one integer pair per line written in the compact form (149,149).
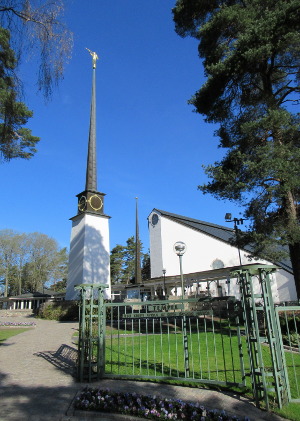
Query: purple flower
(147,406)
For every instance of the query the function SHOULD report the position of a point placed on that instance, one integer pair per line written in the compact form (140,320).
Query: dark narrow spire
(91,168)
(138,275)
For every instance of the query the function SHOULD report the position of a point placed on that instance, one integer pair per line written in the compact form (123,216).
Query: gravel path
(37,383)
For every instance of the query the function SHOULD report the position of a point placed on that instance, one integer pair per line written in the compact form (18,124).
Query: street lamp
(236,221)
(180,249)
(164,273)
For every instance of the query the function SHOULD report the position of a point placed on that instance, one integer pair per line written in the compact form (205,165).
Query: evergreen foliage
(16,141)
(122,263)
(251,57)
(28,28)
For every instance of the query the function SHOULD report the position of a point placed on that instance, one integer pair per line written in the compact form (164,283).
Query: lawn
(164,356)
(7,333)
(214,357)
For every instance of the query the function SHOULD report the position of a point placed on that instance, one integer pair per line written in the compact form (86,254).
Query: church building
(207,261)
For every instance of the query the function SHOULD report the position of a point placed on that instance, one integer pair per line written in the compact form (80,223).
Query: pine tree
(16,141)
(116,264)
(28,28)
(122,263)
(251,56)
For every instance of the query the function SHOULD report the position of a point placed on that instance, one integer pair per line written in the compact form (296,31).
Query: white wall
(201,251)
(286,286)
(89,260)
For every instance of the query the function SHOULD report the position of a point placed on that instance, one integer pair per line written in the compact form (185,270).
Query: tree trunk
(295,259)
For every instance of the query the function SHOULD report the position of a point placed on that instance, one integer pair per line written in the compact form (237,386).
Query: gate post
(258,372)
(91,346)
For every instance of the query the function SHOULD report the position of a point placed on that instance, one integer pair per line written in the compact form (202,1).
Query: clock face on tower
(82,204)
(90,201)
(95,202)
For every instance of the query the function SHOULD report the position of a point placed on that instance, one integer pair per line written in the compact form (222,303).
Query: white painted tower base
(89,260)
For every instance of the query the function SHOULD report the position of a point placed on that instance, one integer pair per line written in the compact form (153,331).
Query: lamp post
(180,249)
(236,221)
(164,274)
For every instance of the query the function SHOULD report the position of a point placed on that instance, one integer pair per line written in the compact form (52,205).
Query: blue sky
(150,143)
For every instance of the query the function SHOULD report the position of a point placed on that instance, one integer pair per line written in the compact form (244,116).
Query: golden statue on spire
(94,56)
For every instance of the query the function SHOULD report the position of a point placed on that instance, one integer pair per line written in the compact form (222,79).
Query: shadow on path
(64,358)
(35,403)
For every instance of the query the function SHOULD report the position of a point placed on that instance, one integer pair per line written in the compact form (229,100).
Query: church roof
(219,232)
(37,294)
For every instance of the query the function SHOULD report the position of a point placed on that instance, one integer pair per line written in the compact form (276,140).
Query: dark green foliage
(122,263)
(251,56)
(146,267)
(289,323)
(28,29)
(59,286)
(62,311)
(116,263)
(16,141)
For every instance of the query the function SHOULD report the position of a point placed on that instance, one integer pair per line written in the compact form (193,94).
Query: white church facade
(208,260)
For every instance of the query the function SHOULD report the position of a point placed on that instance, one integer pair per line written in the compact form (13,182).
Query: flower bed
(149,407)
(17,324)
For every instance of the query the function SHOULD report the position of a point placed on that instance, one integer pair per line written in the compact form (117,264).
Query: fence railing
(177,339)
(211,340)
(289,322)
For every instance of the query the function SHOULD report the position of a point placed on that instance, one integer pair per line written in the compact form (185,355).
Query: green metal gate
(208,340)
(198,340)
(267,364)
(288,318)
(186,340)
(91,340)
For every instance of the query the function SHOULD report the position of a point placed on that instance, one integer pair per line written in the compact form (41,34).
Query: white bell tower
(89,260)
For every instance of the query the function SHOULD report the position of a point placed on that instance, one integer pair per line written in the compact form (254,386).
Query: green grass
(212,357)
(290,411)
(7,333)
(154,351)
(163,356)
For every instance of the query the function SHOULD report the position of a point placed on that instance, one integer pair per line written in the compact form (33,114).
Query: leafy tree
(20,242)
(28,262)
(60,269)
(59,286)
(43,261)
(27,27)
(251,52)
(8,251)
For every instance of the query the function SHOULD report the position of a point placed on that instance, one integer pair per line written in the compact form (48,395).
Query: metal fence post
(91,346)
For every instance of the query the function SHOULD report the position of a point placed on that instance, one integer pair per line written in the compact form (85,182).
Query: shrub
(289,322)
(59,310)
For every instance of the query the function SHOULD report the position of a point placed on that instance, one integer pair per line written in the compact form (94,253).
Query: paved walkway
(37,383)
